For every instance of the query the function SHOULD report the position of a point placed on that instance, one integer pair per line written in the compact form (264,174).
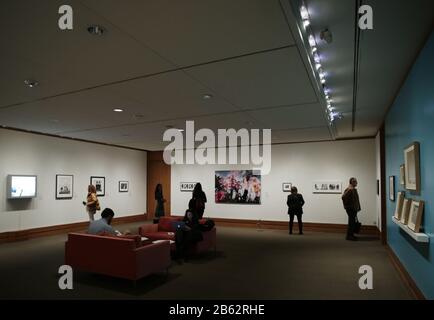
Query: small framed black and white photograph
(286,187)
(187,186)
(64,186)
(392,188)
(99,183)
(124,186)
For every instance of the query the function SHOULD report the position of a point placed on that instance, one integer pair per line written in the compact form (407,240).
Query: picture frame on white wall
(99,183)
(412,167)
(124,186)
(187,186)
(64,186)
(327,186)
(286,186)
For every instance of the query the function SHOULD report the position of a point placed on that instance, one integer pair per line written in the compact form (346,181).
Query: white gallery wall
(300,164)
(44,156)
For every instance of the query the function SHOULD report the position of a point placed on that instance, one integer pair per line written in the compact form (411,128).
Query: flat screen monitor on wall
(21,186)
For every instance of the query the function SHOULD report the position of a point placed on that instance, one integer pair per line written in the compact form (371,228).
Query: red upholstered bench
(122,257)
(164,231)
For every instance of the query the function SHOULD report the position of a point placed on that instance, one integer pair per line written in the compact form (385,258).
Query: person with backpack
(197,202)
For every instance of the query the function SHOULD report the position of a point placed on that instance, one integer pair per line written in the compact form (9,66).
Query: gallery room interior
(249,98)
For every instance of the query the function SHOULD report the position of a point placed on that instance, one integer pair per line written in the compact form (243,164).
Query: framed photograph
(415,216)
(64,186)
(187,186)
(399,204)
(99,183)
(238,187)
(412,167)
(402,174)
(392,188)
(124,186)
(286,187)
(327,186)
(405,210)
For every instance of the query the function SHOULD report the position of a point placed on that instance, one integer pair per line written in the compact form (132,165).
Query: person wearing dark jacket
(351,202)
(295,204)
(159,209)
(197,202)
(188,235)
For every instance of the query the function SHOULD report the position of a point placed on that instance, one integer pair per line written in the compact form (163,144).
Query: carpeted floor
(249,264)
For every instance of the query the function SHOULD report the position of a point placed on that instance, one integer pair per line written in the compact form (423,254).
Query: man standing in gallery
(351,202)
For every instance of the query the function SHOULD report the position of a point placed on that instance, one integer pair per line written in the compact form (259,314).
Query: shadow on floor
(138,288)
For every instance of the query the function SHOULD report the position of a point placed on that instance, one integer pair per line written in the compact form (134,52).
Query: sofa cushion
(161,235)
(137,239)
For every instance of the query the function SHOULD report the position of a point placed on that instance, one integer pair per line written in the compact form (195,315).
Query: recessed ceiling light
(181,130)
(118,110)
(96,30)
(207,96)
(31,83)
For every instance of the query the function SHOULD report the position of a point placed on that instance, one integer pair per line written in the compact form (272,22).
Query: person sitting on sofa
(102,226)
(187,234)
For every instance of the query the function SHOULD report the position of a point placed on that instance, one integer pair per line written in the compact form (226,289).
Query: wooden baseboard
(59,229)
(404,275)
(283,225)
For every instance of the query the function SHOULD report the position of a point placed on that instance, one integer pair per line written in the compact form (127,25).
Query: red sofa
(116,256)
(164,231)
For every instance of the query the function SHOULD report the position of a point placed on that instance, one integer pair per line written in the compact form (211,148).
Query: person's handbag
(357,226)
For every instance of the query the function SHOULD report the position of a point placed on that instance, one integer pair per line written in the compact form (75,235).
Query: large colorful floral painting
(238,186)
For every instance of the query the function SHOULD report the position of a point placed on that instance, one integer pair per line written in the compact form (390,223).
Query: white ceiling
(158,58)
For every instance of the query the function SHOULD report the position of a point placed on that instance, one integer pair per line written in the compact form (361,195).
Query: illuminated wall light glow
(314,49)
(317,66)
(323,81)
(306,23)
(303,12)
(312,41)
(316,57)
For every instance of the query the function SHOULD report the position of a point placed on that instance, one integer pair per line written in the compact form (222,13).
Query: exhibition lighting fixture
(303,12)
(118,110)
(312,41)
(330,110)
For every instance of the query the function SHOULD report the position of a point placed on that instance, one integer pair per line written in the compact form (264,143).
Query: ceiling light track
(316,57)
(356,63)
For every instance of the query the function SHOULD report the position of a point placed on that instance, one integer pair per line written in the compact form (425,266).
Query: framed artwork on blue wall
(392,188)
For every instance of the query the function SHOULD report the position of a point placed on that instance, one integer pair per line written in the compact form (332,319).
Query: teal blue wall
(411,118)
